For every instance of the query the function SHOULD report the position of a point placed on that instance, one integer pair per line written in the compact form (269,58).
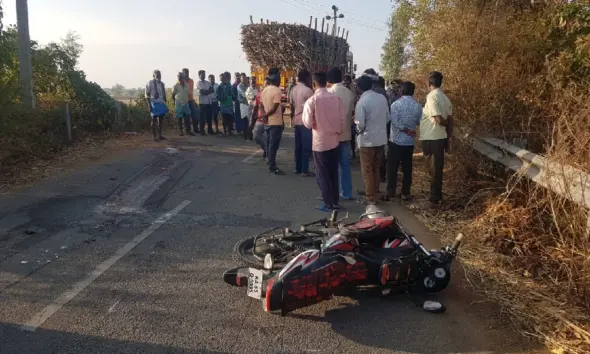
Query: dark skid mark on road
(90,217)
(60,212)
(157,199)
(47,217)
(226,220)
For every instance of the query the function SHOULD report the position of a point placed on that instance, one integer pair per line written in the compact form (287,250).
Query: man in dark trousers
(405,116)
(435,132)
(192,105)
(273,118)
(237,112)
(205,90)
(324,114)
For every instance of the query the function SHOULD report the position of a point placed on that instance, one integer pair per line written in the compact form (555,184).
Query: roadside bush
(31,134)
(27,134)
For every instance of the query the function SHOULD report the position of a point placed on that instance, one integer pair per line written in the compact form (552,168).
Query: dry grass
(513,254)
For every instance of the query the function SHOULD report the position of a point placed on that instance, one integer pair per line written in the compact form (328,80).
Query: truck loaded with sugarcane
(291,47)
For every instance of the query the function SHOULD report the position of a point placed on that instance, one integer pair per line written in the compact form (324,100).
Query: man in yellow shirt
(273,118)
(435,124)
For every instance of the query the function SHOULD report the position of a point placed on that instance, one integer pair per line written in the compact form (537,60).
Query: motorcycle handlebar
(314,223)
(333,219)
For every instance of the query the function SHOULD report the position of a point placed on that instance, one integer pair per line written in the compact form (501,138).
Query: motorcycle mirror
(268,261)
(433,307)
(342,219)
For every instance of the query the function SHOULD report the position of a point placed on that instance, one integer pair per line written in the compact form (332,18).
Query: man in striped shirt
(405,116)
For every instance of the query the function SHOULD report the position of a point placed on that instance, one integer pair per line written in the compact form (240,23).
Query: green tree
(394,55)
(1,17)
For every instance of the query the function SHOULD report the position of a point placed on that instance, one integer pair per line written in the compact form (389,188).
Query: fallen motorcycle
(291,270)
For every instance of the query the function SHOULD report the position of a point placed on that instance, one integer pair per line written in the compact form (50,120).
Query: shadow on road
(17,341)
(395,323)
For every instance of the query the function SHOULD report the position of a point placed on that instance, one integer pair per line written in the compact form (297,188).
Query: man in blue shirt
(405,116)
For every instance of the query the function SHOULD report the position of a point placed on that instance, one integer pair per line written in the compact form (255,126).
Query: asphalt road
(68,268)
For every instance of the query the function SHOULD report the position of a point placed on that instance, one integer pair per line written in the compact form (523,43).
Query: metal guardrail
(562,179)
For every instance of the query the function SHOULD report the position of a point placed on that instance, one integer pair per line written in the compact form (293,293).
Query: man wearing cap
(155,95)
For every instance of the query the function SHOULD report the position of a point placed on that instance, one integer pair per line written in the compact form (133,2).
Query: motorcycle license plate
(255,283)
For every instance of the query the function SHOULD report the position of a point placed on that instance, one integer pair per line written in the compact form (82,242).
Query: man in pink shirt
(299,95)
(324,114)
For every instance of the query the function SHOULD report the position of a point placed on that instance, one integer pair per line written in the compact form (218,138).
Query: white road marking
(247,159)
(64,298)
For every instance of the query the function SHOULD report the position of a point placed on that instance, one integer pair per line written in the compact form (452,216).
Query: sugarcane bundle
(291,46)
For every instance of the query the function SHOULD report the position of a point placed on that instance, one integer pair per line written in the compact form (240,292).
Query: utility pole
(24,53)
(335,18)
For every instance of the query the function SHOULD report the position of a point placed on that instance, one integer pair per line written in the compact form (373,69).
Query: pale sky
(125,40)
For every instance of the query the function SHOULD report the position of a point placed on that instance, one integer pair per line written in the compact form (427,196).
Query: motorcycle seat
(365,227)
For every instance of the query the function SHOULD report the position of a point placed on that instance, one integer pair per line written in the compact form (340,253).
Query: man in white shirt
(205,89)
(347,97)
(155,95)
(436,122)
(214,103)
(371,113)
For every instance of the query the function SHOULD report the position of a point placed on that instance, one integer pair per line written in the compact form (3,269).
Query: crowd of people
(333,117)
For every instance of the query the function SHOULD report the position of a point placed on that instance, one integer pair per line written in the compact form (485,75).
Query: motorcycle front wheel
(245,251)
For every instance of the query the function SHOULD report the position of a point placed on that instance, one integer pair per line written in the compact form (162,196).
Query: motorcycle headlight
(268,261)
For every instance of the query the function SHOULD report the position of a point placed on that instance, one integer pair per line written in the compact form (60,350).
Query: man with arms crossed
(406,114)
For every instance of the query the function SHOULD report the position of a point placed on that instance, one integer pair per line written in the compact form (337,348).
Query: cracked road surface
(127,257)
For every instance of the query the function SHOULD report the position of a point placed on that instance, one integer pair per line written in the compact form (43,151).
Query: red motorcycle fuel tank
(310,278)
